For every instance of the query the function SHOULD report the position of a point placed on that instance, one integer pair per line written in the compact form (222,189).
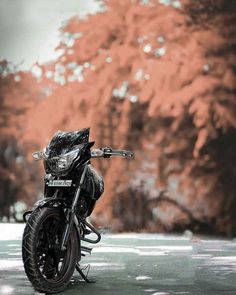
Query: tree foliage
(157,77)
(17,175)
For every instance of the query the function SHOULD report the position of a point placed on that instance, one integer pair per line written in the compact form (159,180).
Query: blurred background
(153,76)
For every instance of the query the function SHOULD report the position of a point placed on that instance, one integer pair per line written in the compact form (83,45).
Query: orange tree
(157,77)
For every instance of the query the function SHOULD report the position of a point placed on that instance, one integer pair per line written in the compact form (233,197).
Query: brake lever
(106,151)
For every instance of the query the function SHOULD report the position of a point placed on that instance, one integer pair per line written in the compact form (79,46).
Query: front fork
(72,212)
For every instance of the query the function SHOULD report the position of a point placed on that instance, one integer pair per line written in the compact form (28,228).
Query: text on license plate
(60,183)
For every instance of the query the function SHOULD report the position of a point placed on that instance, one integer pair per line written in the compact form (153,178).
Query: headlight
(59,164)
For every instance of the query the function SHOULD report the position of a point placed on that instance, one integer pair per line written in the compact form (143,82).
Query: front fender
(46,202)
(50,202)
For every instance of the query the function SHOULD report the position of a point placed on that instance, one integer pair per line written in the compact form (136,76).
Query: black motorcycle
(51,246)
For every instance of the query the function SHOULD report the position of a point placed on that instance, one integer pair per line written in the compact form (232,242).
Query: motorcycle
(51,245)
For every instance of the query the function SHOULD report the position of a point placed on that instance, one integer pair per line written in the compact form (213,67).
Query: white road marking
(6,264)
(142,278)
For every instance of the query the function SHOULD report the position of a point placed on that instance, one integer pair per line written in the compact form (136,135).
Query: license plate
(60,183)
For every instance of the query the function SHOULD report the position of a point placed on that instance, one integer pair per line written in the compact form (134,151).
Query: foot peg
(86,249)
(88,228)
(87,231)
(83,275)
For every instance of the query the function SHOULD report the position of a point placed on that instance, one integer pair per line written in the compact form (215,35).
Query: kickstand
(80,271)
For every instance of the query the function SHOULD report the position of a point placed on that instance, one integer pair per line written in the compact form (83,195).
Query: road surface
(151,264)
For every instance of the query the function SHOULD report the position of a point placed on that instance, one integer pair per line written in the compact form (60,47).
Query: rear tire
(47,267)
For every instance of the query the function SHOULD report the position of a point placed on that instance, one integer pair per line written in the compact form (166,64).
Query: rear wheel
(48,268)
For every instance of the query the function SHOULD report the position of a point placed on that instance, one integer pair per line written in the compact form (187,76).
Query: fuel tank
(93,184)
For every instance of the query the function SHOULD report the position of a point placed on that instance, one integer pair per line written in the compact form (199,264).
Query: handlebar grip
(108,152)
(124,153)
(129,154)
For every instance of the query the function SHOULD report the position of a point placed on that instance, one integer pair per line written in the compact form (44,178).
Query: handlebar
(107,152)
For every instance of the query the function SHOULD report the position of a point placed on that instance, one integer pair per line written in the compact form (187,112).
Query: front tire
(47,267)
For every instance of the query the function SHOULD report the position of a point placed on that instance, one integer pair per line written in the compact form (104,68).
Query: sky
(29,30)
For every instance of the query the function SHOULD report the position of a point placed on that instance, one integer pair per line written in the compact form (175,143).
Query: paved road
(135,264)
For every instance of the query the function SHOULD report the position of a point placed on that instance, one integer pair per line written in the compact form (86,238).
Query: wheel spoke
(45,230)
(55,230)
(46,264)
(57,268)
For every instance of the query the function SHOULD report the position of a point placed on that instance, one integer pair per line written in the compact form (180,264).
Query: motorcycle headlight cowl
(62,163)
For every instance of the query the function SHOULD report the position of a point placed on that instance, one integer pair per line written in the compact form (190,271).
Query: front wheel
(48,268)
